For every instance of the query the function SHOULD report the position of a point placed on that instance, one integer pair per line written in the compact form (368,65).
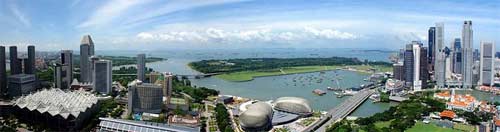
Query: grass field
(422,127)
(463,127)
(249,75)
(382,124)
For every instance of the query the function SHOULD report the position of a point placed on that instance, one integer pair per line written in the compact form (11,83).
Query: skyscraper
(102,76)
(86,51)
(63,73)
(29,68)
(439,61)
(15,64)
(141,67)
(487,63)
(457,56)
(467,60)
(93,59)
(475,55)
(424,69)
(417,83)
(58,75)
(408,65)
(398,71)
(144,97)
(3,72)
(167,85)
(432,46)
(448,62)
(67,59)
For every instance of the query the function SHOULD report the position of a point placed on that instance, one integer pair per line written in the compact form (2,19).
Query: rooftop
(57,102)
(444,94)
(141,126)
(447,113)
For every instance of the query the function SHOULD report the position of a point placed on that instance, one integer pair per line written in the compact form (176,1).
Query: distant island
(120,60)
(249,68)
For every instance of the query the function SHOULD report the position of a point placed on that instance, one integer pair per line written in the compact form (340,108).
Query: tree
(9,125)
(222,118)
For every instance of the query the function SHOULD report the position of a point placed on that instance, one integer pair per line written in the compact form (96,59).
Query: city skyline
(53,25)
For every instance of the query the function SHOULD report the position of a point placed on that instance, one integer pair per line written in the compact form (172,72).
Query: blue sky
(190,24)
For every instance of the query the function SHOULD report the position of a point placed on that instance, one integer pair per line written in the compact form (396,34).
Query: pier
(340,111)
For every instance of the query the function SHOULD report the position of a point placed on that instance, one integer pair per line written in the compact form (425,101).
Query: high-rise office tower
(15,64)
(63,73)
(86,51)
(102,76)
(3,72)
(25,63)
(58,76)
(476,69)
(67,60)
(401,55)
(424,67)
(29,67)
(467,60)
(153,77)
(144,97)
(439,60)
(487,64)
(408,65)
(141,67)
(167,85)
(448,62)
(398,71)
(475,55)
(457,56)
(417,83)
(93,59)
(432,46)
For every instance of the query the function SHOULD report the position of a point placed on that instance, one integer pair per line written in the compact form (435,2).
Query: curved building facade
(293,105)
(257,117)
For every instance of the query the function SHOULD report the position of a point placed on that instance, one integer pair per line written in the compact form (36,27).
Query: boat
(334,89)
(319,92)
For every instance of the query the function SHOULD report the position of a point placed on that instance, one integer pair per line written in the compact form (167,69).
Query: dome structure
(257,117)
(293,105)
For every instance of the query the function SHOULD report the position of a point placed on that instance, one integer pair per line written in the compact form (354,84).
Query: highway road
(341,111)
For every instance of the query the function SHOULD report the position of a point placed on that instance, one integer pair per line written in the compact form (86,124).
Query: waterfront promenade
(340,111)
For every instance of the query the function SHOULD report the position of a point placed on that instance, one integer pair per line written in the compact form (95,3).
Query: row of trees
(236,65)
(197,93)
(222,118)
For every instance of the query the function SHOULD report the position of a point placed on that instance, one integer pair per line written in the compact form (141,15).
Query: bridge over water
(340,111)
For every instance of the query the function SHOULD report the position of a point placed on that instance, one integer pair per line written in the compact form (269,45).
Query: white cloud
(329,33)
(145,36)
(109,11)
(215,35)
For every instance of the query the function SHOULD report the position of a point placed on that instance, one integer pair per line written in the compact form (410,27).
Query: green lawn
(463,127)
(249,75)
(422,127)
(382,124)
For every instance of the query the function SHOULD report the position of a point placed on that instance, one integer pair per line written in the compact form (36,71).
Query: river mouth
(273,87)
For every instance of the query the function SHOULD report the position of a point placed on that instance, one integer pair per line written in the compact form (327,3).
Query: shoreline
(245,76)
